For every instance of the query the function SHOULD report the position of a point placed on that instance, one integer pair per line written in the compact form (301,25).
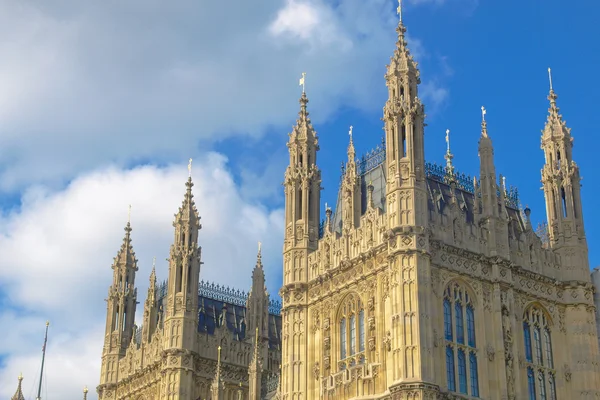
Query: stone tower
(302,201)
(562,190)
(181,309)
(407,223)
(120,310)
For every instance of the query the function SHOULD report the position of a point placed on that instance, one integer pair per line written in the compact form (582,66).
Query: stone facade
(426,284)
(423,284)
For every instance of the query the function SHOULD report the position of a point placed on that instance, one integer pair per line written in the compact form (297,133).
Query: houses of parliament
(421,284)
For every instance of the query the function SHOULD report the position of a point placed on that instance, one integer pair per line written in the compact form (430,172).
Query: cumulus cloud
(139,80)
(58,247)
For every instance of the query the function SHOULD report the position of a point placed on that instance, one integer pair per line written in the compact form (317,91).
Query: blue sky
(102,105)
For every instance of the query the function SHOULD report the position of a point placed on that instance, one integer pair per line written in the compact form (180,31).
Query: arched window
(461,349)
(351,332)
(541,375)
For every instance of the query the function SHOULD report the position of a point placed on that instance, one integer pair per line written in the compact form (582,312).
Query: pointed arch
(460,315)
(539,358)
(350,327)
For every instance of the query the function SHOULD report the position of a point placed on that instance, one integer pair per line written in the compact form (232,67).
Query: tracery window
(351,332)
(541,375)
(461,349)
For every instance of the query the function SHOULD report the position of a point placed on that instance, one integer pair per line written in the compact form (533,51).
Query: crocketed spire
(188,214)
(555,125)
(126,255)
(402,60)
(19,393)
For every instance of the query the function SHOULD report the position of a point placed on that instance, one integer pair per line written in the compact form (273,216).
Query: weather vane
(303,82)
(550,77)
(190,168)
(259,246)
(350,131)
(399,9)
(483,112)
(448,139)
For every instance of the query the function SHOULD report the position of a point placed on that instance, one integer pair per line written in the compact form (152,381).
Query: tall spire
(449,156)
(150,318)
(487,170)
(257,304)
(19,393)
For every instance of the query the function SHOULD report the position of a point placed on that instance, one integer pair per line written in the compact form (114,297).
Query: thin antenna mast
(39,393)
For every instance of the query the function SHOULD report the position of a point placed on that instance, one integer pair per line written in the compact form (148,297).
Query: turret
(181,308)
(403,115)
(120,309)
(302,192)
(302,185)
(562,190)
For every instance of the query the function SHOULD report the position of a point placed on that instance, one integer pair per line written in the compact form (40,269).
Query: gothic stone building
(197,340)
(422,285)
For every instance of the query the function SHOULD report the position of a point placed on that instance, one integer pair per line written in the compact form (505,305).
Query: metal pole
(39,393)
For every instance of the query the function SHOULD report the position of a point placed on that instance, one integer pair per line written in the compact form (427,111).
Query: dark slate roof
(372,170)
(220,305)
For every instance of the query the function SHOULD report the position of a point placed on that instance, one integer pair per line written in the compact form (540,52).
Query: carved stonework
(490,352)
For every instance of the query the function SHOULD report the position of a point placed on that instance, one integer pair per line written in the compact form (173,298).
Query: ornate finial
(302,82)
(399,10)
(326,208)
(350,132)
(550,77)
(448,140)
(190,168)
(259,249)
(483,112)
(20,376)
(47,323)
(85,392)
(219,355)
(504,183)
(256,338)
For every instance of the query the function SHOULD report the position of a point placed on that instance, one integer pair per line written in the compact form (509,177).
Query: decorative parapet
(270,383)
(372,159)
(542,233)
(439,173)
(221,293)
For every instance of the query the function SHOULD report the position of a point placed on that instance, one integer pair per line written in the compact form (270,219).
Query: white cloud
(58,248)
(124,81)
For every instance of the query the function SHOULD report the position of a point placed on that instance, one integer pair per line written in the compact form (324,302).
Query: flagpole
(39,393)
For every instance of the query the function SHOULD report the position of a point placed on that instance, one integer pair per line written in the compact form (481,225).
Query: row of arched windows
(462,374)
